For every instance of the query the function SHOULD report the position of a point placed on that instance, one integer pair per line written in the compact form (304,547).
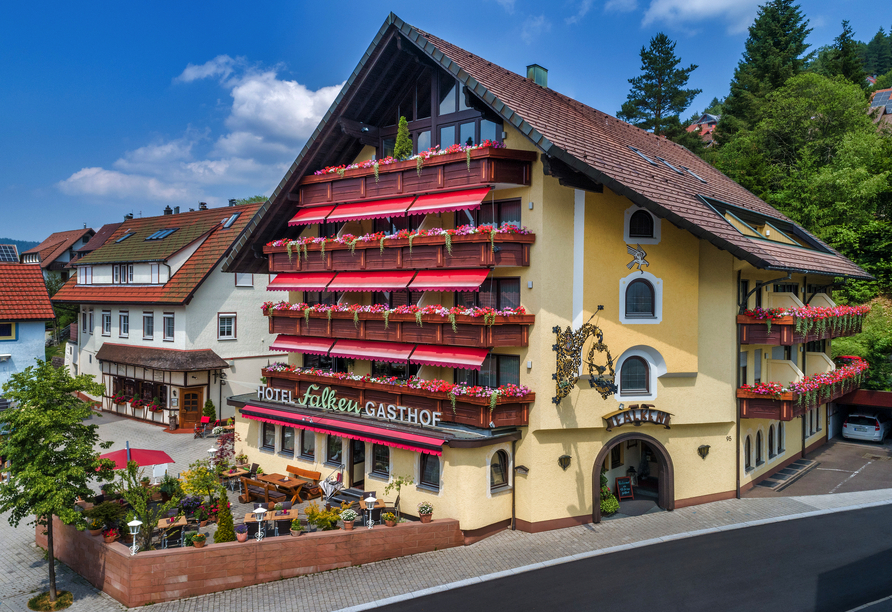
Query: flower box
(785,328)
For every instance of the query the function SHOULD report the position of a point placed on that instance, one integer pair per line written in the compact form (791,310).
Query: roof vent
(128,217)
(168,210)
(538,74)
(232,201)
(202,206)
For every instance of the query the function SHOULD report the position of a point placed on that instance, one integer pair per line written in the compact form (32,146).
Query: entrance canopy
(419,443)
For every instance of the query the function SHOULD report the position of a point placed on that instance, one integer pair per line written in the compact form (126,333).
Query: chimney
(232,201)
(168,210)
(128,217)
(538,75)
(176,210)
(202,206)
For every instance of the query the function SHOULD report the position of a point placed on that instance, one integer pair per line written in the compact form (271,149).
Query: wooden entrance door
(192,404)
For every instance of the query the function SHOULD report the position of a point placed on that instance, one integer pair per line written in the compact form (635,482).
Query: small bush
(609,505)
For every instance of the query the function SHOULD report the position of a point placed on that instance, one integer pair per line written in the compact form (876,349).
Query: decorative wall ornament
(638,255)
(637,414)
(564,462)
(569,348)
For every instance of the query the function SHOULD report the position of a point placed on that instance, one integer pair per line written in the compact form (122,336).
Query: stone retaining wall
(165,575)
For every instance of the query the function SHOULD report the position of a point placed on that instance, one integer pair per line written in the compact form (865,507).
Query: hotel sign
(327,400)
(637,414)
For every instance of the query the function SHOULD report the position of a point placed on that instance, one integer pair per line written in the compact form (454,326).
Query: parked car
(866,426)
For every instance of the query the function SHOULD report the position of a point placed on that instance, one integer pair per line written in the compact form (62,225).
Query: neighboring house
(705,126)
(95,242)
(617,218)
(158,318)
(881,106)
(54,253)
(24,310)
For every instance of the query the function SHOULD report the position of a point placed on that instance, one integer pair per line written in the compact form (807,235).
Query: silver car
(865,426)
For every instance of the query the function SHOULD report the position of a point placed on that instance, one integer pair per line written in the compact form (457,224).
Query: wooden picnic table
(290,485)
(164,524)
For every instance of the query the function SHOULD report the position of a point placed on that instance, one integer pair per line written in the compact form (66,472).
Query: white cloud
(508,5)
(102,182)
(737,14)
(221,66)
(584,7)
(533,27)
(621,6)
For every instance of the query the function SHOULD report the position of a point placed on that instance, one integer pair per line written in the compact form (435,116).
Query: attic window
(691,172)
(227,223)
(162,234)
(670,166)
(644,157)
(124,237)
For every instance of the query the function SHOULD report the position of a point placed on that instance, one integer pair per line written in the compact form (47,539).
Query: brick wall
(165,575)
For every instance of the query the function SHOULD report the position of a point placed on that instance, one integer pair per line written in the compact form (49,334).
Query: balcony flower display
(811,388)
(349,240)
(488,314)
(419,158)
(119,398)
(453,390)
(814,318)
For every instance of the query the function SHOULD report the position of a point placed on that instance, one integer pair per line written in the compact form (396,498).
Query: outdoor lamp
(211,453)
(134,526)
(259,514)
(369,505)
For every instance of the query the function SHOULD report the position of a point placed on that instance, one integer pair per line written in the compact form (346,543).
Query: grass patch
(43,604)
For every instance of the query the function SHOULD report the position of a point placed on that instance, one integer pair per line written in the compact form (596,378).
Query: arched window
(780,437)
(634,377)
(771,448)
(498,469)
(759,455)
(640,299)
(748,454)
(641,225)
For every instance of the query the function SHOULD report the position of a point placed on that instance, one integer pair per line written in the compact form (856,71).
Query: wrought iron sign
(569,348)
(636,414)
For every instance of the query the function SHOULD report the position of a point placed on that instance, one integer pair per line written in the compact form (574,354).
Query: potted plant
(169,487)
(389,519)
(201,515)
(241,533)
(425,511)
(241,459)
(110,534)
(278,508)
(349,516)
(95,527)
(296,527)
(198,540)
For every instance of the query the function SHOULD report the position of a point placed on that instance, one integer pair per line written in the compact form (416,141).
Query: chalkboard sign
(624,488)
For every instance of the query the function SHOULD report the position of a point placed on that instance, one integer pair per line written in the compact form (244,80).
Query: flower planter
(203,523)
(199,544)
(95,532)
(390,523)
(243,537)
(783,332)
(109,539)
(426,518)
(348,525)
(296,532)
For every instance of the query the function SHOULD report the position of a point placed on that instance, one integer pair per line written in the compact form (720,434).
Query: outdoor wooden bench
(260,491)
(311,490)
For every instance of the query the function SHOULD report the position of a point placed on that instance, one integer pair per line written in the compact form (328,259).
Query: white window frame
(657,285)
(130,273)
(124,324)
(227,315)
(155,278)
(656,368)
(244,279)
(84,328)
(151,317)
(633,240)
(106,322)
(116,275)
(90,319)
(168,316)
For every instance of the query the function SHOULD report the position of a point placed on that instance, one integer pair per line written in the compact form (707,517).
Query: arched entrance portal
(666,473)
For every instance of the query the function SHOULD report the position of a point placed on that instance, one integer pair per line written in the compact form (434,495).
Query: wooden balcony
(426,252)
(470,331)
(473,411)
(787,406)
(487,167)
(783,332)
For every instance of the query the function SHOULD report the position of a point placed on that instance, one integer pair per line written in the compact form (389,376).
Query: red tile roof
(180,288)
(23,295)
(56,244)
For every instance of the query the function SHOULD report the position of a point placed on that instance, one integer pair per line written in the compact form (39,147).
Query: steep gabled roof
(592,143)
(99,237)
(180,288)
(23,294)
(56,244)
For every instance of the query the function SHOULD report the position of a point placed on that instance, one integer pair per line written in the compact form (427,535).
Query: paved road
(829,563)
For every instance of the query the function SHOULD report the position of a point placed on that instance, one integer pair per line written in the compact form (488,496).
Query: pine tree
(658,96)
(843,59)
(402,149)
(774,52)
(225,528)
(209,410)
(879,55)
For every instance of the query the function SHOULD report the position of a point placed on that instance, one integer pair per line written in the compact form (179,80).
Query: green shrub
(210,410)
(609,505)
(402,149)
(109,513)
(225,528)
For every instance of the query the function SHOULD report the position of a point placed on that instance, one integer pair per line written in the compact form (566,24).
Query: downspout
(513,485)
(804,357)
(737,401)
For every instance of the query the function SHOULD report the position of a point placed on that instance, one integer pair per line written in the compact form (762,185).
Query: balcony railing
(468,410)
(494,331)
(788,326)
(478,167)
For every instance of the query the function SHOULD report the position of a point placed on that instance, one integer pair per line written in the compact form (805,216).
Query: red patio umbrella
(141,456)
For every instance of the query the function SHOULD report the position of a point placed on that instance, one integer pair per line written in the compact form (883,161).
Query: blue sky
(109,108)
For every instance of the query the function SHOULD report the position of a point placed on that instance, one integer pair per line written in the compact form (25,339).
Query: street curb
(605,551)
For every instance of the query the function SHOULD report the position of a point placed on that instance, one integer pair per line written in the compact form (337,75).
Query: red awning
(449,356)
(467,199)
(141,456)
(371,281)
(347,429)
(449,280)
(375,351)
(375,209)
(305,216)
(301,344)
(301,281)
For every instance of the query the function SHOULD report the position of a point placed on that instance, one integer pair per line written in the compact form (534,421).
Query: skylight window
(124,237)
(644,157)
(670,166)
(162,234)
(227,223)
(691,172)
